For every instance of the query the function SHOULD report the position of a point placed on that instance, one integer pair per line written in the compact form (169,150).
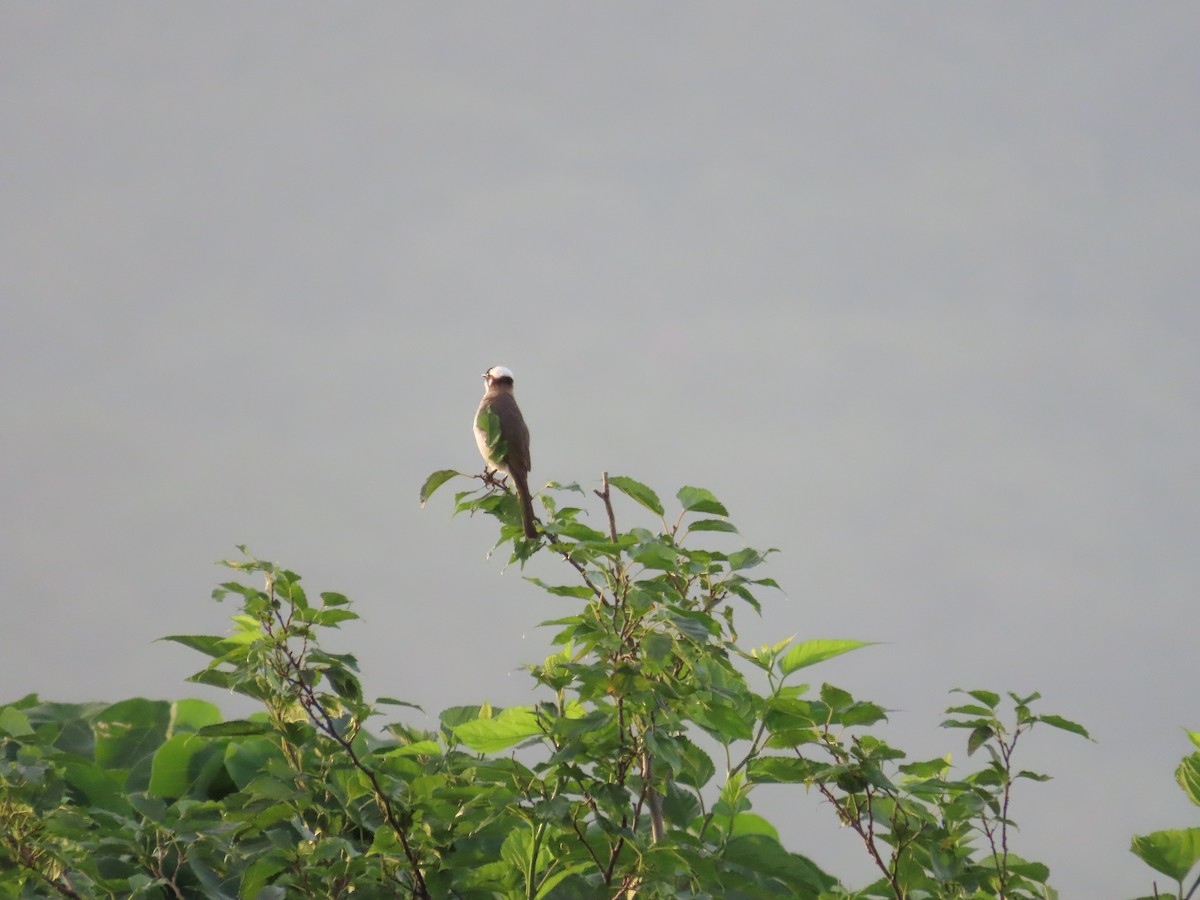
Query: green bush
(632,775)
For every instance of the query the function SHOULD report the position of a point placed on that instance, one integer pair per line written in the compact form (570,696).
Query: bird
(508,452)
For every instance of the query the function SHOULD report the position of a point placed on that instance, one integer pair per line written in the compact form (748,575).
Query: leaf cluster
(1175,852)
(631,774)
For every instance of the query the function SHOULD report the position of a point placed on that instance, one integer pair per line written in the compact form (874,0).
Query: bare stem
(323,722)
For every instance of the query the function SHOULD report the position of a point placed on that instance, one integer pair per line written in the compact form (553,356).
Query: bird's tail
(527,516)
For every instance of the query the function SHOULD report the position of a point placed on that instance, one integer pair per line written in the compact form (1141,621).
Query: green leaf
(245,760)
(552,880)
(978,737)
(392,701)
(129,731)
(330,618)
(696,767)
(14,723)
(931,768)
(1032,776)
(491,735)
(746,558)
(695,499)
(288,589)
(637,491)
(435,481)
(235,728)
(344,684)
(192,715)
(1173,853)
(577,531)
(103,789)
(579,592)
(970,710)
(751,823)
(696,625)
(1064,724)
(712,525)
(722,721)
(657,555)
(1035,871)
(208,644)
(990,699)
(1188,776)
(812,652)
(417,748)
(169,776)
(760,853)
(779,770)
(835,698)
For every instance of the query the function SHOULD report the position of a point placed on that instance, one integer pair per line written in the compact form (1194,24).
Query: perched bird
(507,450)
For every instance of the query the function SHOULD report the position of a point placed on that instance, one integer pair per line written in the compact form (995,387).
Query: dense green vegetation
(632,775)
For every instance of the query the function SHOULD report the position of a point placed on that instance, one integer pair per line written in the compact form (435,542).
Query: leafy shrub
(631,776)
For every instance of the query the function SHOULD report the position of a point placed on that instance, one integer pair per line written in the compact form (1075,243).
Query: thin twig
(868,837)
(657,829)
(552,539)
(324,722)
(606,496)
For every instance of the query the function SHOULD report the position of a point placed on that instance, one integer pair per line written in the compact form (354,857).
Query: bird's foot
(494,478)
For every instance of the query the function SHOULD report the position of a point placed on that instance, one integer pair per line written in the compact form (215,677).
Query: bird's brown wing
(513,431)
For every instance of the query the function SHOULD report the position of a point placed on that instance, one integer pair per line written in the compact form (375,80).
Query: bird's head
(498,375)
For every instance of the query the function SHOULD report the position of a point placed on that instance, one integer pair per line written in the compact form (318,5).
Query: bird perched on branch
(503,438)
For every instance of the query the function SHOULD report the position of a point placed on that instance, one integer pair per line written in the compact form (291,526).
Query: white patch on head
(498,372)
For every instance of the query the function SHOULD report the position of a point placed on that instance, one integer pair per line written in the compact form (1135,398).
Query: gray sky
(911,288)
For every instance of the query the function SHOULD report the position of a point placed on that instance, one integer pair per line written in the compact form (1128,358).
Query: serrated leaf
(969,710)
(1032,776)
(779,770)
(810,653)
(208,644)
(392,701)
(637,491)
(1173,853)
(746,558)
(979,736)
(752,823)
(169,768)
(723,722)
(930,768)
(1064,724)
(654,555)
(696,499)
(694,624)
(435,481)
(578,591)
(330,617)
(989,698)
(491,735)
(1188,776)
(417,748)
(712,525)
(552,880)
(14,723)
(235,728)
(192,715)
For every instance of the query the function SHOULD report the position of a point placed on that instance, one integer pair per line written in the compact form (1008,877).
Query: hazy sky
(911,288)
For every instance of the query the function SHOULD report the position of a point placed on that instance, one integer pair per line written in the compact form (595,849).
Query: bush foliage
(631,775)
